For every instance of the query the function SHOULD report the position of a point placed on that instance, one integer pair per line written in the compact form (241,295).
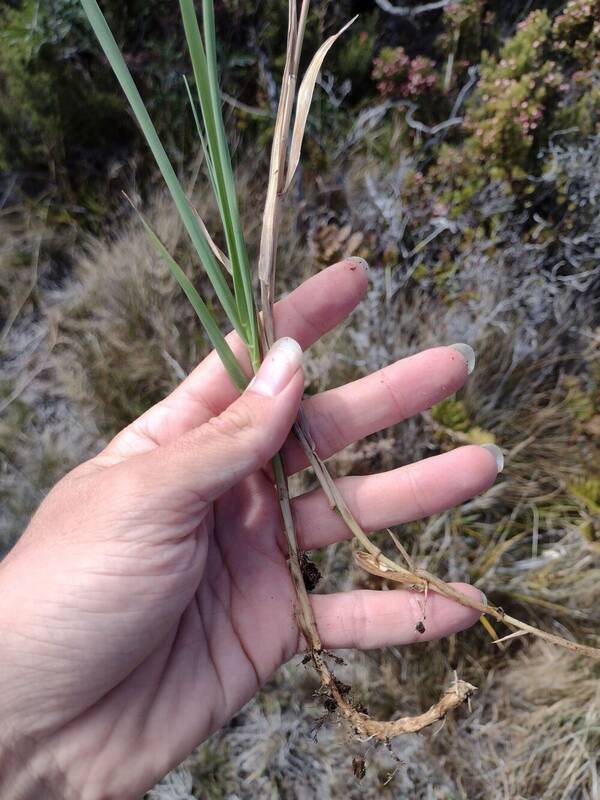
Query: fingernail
(279,366)
(484,599)
(467,353)
(360,261)
(497,453)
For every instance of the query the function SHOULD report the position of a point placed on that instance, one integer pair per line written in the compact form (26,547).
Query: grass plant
(232,280)
(128,335)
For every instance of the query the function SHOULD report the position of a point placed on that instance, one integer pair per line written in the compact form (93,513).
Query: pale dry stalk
(376,563)
(276,183)
(420,580)
(283,165)
(279,182)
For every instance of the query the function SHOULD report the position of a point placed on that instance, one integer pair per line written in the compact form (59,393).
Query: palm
(199,622)
(215,653)
(239,626)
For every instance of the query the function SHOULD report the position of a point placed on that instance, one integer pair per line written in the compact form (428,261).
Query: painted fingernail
(467,353)
(484,599)
(497,453)
(360,261)
(279,366)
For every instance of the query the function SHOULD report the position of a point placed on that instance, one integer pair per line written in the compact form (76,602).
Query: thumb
(215,456)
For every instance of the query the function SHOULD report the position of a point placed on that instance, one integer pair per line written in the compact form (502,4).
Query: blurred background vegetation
(456,148)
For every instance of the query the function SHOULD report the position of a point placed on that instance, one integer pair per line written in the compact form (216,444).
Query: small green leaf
(204,65)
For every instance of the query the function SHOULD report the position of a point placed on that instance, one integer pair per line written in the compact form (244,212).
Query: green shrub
(464,27)
(542,80)
(398,75)
(451,413)
(61,110)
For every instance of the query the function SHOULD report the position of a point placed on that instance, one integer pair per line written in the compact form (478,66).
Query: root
(363,725)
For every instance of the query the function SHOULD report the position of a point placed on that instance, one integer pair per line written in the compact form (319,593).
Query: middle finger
(338,417)
(401,495)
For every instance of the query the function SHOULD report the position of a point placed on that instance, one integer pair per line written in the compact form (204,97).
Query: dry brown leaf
(305,93)
(332,241)
(270,228)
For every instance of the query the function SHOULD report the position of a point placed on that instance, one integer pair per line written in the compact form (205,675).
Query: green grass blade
(209,166)
(231,197)
(119,67)
(220,256)
(205,74)
(218,341)
(201,77)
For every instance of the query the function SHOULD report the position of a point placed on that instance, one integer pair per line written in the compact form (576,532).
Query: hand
(150,598)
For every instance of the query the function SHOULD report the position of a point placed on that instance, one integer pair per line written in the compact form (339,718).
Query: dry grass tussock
(118,334)
(127,320)
(542,721)
(42,434)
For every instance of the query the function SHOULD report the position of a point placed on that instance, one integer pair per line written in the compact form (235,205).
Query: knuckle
(326,430)
(401,407)
(416,491)
(234,422)
(359,621)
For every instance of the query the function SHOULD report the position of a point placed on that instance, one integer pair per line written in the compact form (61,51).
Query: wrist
(28,771)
